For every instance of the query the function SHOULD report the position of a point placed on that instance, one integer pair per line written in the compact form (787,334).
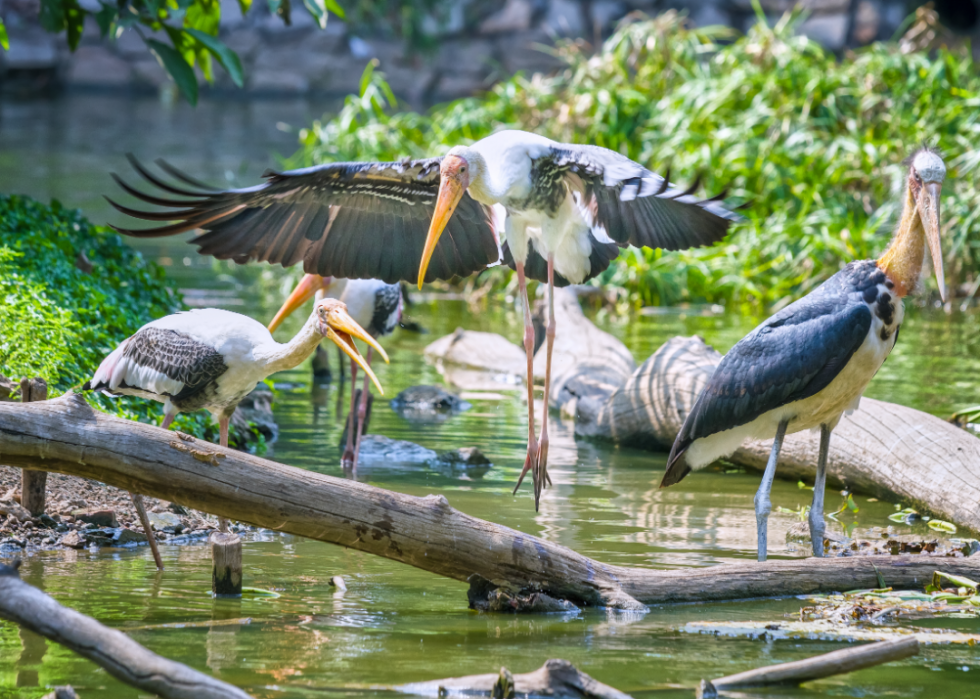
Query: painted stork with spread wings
(569,209)
(810,363)
(376,307)
(210,359)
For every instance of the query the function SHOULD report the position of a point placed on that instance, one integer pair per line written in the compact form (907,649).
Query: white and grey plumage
(376,306)
(809,364)
(567,210)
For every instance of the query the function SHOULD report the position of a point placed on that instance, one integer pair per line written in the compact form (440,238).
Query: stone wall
(482,41)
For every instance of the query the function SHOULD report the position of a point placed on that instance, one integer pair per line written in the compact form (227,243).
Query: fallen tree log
(556,678)
(882,449)
(121,656)
(65,435)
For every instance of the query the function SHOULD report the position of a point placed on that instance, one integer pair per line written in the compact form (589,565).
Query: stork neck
(488,185)
(281,357)
(902,261)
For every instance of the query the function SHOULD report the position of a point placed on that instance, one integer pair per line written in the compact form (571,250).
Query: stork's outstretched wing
(793,355)
(633,204)
(353,220)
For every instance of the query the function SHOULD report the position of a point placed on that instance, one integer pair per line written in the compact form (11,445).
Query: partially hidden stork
(210,359)
(376,307)
(569,209)
(808,364)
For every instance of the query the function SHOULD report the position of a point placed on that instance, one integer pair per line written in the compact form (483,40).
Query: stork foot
(347,460)
(541,477)
(530,462)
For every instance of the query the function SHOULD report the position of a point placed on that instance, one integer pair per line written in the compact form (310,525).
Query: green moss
(811,144)
(58,321)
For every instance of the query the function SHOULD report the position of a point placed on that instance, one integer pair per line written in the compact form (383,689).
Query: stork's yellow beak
(454,181)
(928,204)
(337,325)
(304,291)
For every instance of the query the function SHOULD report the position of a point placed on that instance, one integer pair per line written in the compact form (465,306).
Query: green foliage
(810,143)
(4,39)
(58,321)
(191,26)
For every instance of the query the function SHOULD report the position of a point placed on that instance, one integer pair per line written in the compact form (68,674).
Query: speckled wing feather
(387,310)
(633,204)
(177,356)
(352,220)
(791,356)
(536,266)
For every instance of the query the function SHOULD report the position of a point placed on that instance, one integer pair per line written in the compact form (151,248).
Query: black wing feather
(286,219)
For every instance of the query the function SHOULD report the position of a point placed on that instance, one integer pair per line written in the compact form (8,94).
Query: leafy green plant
(811,144)
(70,292)
(190,28)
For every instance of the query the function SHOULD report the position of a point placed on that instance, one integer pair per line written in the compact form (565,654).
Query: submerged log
(556,678)
(882,449)
(65,435)
(121,656)
(838,662)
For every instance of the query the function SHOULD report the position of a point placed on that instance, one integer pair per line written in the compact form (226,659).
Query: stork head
(927,172)
(455,175)
(333,322)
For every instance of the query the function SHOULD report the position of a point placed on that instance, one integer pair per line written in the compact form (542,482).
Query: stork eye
(463,169)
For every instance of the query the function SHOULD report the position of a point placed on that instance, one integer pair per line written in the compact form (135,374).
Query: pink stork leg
(223,441)
(532,440)
(362,408)
(347,460)
(541,467)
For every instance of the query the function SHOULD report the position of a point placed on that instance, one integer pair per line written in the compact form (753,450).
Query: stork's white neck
(277,357)
(500,167)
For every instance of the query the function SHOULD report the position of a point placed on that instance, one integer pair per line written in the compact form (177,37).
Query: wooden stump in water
(32,483)
(226,564)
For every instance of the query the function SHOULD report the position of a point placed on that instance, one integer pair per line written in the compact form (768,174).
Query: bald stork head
(927,172)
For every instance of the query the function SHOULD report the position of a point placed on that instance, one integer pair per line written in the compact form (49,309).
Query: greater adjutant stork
(810,363)
(209,359)
(569,209)
(376,307)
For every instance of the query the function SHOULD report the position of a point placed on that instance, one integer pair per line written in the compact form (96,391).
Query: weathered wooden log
(226,564)
(33,483)
(122,657)
(882,449)
(838,662)
(556,678)
(67,436)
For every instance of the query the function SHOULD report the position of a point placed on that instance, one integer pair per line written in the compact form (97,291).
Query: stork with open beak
(375,306)
(569,209)
(810,363)
(210,359)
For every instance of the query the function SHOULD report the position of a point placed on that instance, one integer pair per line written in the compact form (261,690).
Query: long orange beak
(929,213)
(304,291)
(341,329)
(451,188)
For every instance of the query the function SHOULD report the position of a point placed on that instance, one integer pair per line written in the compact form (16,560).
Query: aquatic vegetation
(70,292)
(810,143)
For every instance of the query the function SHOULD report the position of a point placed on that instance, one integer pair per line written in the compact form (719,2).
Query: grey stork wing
(792,356)
(353,220)
(633,204)
(177,356)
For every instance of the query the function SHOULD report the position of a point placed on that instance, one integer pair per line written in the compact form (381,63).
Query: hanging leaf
(244,6)
(941,526)
(179,69)
(4,40)
(318,10)
(226,57)
(335,8)
(105,17)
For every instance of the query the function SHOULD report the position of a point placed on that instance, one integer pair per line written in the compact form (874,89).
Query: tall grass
(809,143)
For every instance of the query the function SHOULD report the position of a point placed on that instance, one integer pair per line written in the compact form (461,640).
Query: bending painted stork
(569,209)
(210,359)
(376,307)
(810,363)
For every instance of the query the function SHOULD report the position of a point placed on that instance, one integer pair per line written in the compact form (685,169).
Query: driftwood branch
(826,665)
(121,656)
(556,678)
(883,449)
(67,436)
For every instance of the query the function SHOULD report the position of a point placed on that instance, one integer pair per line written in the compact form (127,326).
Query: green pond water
(396,624)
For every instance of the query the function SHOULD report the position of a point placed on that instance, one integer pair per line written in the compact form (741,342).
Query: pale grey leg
(817,526)
(763,506)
